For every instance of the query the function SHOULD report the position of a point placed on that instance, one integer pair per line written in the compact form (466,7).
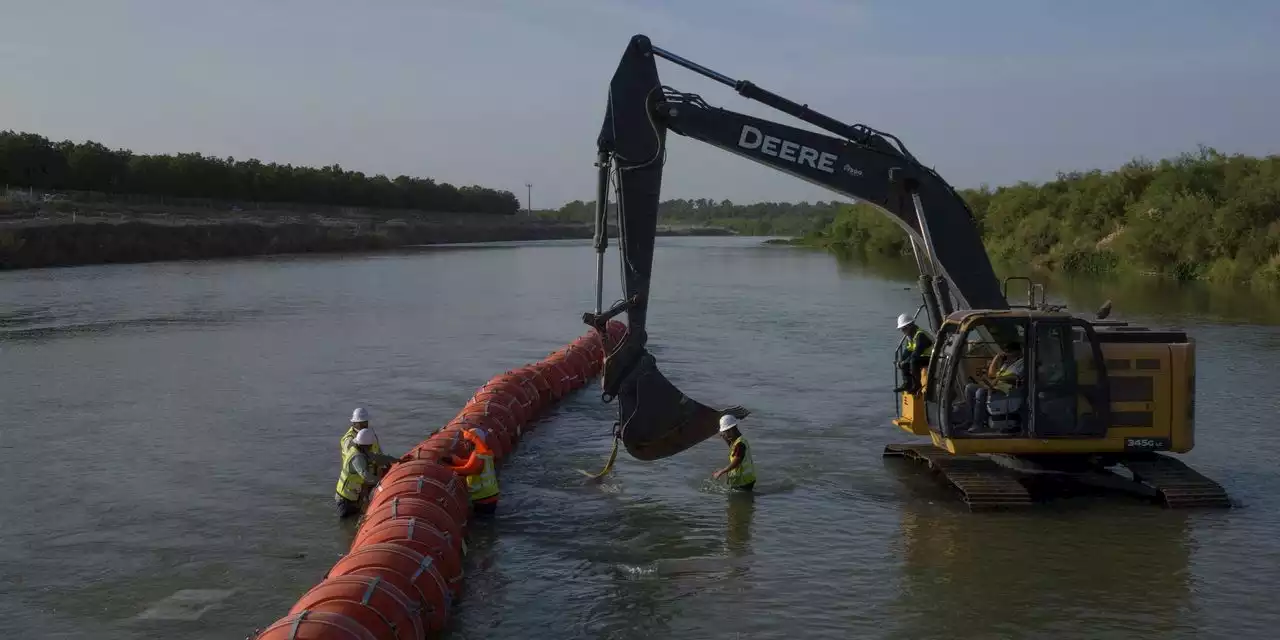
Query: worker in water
(741,472)
(482,477)
(359,422)
(1004,381)
(359,473)
(914,355)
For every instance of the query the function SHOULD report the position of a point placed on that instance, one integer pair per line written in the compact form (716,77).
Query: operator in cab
(914,355)
(478,469)
(1004,381)
(741,472)
(359,473)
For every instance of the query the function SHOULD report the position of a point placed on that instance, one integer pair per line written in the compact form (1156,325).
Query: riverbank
(57,238)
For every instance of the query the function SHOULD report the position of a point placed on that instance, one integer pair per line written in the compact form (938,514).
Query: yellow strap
(608,466)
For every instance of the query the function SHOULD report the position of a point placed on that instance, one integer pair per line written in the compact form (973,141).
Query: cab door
(940,386)
(1068,387)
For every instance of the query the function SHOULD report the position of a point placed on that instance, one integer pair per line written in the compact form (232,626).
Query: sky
(507,92)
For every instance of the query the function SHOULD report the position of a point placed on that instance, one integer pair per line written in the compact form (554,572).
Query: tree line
(1201,215)
(31,160)
(761,218)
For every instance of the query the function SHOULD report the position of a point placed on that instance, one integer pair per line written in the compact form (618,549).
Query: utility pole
(528,199)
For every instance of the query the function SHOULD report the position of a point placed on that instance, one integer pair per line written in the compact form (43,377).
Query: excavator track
(1177,485)
(983,484)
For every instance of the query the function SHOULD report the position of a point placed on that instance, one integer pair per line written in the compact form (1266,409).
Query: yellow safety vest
(1007,375)
(746,472)
(911,343)
(345,442)
(349,482)
(484,484)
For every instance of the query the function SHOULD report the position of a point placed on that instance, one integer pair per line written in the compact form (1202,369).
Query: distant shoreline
(73,238)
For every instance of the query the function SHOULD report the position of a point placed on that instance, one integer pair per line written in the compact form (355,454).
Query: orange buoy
(526,377)
(401,582)
(453,497)
(413,468)
(316,625)
(542,383)
(473,416)
(373,602)
(419,569)
(617,333)
(505,407)
(577,362)
(433,451)
(556,378)
(569,377)
(424,538)
(509,385)
(430,512)
(500,440)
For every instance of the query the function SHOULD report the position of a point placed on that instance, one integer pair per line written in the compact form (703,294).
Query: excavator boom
(656,420)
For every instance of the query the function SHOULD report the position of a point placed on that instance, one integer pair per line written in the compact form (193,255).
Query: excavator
(1099,404)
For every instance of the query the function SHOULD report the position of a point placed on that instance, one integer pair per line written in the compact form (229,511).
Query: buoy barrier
(404,570)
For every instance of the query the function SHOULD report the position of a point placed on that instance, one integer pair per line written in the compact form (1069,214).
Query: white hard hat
(903,320)
(360,415)
(727,422)
(481,433)
(365,436)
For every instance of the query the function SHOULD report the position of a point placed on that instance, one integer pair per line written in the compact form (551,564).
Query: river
(174,426)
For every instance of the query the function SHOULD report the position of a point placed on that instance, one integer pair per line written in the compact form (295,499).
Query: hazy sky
(503,92)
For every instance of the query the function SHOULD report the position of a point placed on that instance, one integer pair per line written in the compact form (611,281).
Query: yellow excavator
(1086,403)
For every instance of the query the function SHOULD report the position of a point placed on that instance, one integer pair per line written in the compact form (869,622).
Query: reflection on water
(1047,573)
(740,508)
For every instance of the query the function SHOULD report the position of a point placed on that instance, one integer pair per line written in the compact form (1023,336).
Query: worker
(359,422)
(741,472)
(914,355)
(482,477)
(1003,381)
(359,473)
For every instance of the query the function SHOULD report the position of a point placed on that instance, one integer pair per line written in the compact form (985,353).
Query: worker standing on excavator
(359,473)
(741,472)
(482,477)
(914,354)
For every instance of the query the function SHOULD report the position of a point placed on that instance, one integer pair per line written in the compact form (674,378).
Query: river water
(173,428)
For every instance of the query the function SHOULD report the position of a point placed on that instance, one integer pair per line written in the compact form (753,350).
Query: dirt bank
(79,240)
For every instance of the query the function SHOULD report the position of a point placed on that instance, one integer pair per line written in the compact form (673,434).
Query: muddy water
(172,429)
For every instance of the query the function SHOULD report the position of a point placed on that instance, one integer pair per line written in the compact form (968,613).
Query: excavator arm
(656,420)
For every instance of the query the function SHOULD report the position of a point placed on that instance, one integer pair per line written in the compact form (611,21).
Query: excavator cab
(1054,384)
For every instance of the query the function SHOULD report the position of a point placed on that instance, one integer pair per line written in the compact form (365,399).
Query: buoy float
(313,625)
(409,506)
(421,570)
(376,604)
(404,569)
(423,537)
(445,495)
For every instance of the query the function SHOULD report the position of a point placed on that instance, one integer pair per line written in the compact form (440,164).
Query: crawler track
(986,485)
(983,484)
(1177,485)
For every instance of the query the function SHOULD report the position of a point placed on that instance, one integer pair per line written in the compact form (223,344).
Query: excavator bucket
(655,419)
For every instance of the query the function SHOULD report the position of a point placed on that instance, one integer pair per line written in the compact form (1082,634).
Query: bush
(1198,215)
